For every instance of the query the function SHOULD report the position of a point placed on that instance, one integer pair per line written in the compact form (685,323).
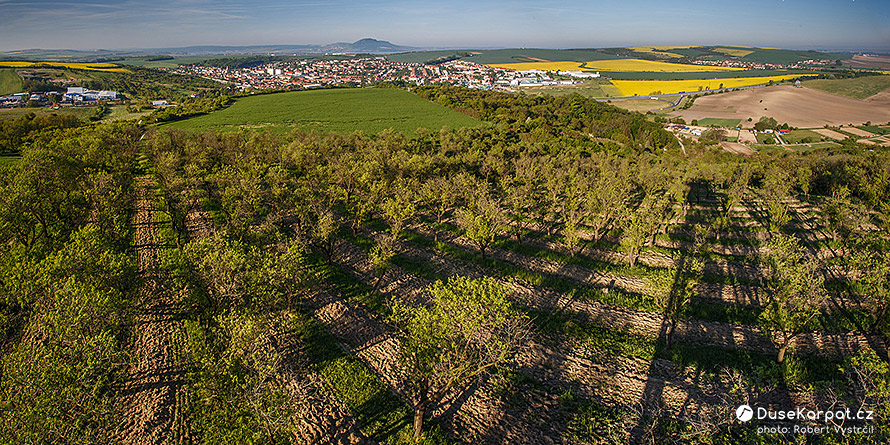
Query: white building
(580,74)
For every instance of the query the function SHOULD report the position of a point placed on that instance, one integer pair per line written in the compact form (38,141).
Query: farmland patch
(856,88)
(712,122)
(830,134)
(370,110)
(10,82)
(799,107)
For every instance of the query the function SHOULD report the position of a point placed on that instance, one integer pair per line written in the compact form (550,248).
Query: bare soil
(831,134)
(868,61)
(153,396)
(739,149)
(799,107)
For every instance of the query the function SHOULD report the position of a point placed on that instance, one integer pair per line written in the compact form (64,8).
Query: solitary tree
(794,291)
(467,329)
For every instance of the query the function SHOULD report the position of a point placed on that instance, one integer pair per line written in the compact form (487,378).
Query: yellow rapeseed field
(734,52)
(637,65)
(73,65)
(616,65)
(647,87)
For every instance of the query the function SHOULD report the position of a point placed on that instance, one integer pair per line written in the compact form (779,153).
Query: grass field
(875,129)
(10,82)
(642,105)
(712,122)
(765,138)
(109,67)
(647,87)
(857,88)
(658,50)
(802,136)
(168,63)
(588,88)
(79,112)
(370,110)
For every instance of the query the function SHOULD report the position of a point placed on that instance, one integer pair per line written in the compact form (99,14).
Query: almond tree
(606,198)
(675,291)
(466,330)
(730,193)
(637,226)
(794,291)
(482,221)
(776,193)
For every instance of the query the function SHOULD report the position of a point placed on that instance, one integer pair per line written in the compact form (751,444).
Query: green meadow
(370,110)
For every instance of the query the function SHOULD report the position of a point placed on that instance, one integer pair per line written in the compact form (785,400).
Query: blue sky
(821,24)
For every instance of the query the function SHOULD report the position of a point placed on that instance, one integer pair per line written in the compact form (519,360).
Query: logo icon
(744,413)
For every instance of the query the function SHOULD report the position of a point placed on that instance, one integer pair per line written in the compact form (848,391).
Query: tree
(675,291)
(482,221)
(605,199)
(794,291)
(775,192)
(638,226)
(732,190)
(841,214)
(766,123)
(871,281)
(466,330)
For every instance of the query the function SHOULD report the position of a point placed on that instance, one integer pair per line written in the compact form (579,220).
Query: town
(310,73)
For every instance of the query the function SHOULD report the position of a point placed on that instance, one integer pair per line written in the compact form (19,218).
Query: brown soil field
(879,62)
(739,149)
(831,134)
(746,137)
(799,107)
(858,132)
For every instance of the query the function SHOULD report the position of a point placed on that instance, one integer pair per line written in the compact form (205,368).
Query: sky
(793,24)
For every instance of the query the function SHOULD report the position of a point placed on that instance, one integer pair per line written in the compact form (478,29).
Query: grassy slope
(857,88)
(714,122)
(341,110)
(10,82)
(79,112)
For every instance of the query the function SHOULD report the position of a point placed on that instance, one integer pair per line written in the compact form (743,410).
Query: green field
(370,110)
(712,122)
(167,63)
(857,88)
(511,55)
(875,129)
(763,138)
(10,82)
(79,112)
(587,88)
(802,137)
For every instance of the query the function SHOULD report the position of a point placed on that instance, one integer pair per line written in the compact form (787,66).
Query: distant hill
(365,46)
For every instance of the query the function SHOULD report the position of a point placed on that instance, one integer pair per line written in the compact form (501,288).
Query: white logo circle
(744,413)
